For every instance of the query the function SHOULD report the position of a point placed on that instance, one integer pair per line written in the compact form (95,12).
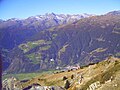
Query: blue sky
(25,8)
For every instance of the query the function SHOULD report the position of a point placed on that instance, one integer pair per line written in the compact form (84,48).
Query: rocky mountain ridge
(47,20)
(15,31)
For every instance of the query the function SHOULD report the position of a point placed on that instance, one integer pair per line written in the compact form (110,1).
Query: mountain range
(16,30)
(48,41)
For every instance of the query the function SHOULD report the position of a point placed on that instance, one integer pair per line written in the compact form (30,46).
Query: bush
(72,76)
(64,78)
(67,84)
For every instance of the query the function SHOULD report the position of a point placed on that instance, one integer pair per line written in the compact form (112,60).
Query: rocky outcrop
(94,86)
(10,84)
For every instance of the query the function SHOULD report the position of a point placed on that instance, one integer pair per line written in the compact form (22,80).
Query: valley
(61,52)
(88,40)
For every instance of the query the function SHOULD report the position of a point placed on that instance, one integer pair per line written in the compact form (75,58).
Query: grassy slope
(23,76)
(101,72)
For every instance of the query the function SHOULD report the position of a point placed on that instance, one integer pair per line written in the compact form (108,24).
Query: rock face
(94,86)
(86,41)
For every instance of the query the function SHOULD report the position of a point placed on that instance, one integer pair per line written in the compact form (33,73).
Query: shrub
(67,84)
(64,78)
(72,76)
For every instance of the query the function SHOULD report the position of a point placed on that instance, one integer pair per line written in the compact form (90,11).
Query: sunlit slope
(101,76)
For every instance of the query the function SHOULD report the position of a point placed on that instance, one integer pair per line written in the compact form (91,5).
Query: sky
(25,8)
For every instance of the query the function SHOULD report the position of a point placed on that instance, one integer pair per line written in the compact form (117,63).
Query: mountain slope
(86,41)
(101,76)
(104,75)
(114,13)
(15,31)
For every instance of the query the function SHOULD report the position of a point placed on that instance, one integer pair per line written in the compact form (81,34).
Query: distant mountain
(43,21)
(14,31)
(114,13)
(86,41)
(49,41)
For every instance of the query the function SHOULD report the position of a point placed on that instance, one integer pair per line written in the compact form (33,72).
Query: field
(24,76)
